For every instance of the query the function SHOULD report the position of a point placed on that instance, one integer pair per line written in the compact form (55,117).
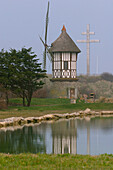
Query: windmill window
(65,65)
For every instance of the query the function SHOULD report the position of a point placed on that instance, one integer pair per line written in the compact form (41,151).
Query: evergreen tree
(21,73)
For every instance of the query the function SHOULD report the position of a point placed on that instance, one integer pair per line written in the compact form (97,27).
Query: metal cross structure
(88,41)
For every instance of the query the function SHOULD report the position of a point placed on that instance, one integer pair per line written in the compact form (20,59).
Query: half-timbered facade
(64,65)
(64,57)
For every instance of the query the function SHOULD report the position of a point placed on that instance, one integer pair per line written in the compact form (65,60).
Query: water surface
(75,136)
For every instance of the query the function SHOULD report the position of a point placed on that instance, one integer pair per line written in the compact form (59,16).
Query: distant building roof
(64,43)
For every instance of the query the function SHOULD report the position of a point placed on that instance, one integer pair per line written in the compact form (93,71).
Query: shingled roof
(64,43)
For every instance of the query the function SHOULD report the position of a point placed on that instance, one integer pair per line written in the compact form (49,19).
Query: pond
(75,136)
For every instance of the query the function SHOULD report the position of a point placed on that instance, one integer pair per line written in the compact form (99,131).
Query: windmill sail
(46,29)
(46,49)
(48,52)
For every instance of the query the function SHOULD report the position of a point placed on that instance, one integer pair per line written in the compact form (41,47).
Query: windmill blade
(44,60)
(45,43)
(42,41)
(47,20)
(46,29)
(44,54)
(49,54)
(47,51)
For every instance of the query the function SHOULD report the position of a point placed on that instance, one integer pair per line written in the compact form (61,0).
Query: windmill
(46,47)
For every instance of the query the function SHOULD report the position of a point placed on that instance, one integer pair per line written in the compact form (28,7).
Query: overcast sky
(22,21)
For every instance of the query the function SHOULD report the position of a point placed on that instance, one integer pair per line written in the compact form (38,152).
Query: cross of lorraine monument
(88,41)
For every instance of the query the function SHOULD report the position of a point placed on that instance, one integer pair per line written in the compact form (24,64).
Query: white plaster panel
(69,65)
(66,56)
(62,56)
(57,73)
(56,65)
(66,73)
(62,64)
(73,73)
(56,56)
(73,65)
(73,56)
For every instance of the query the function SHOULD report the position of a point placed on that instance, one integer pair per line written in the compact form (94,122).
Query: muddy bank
(15,121)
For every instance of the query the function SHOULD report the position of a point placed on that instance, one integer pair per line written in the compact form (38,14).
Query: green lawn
(41,107)
(58,104)
(68,107)
(55,162)
(41,101)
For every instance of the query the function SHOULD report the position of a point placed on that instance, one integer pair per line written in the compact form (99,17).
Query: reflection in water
(64,134)
(74,136)
(28,139)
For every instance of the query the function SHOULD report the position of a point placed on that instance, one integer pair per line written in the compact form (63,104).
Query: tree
(107,77)
(22,73)
(4,72)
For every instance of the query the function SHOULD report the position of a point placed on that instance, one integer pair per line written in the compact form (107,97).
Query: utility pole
(88,41)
